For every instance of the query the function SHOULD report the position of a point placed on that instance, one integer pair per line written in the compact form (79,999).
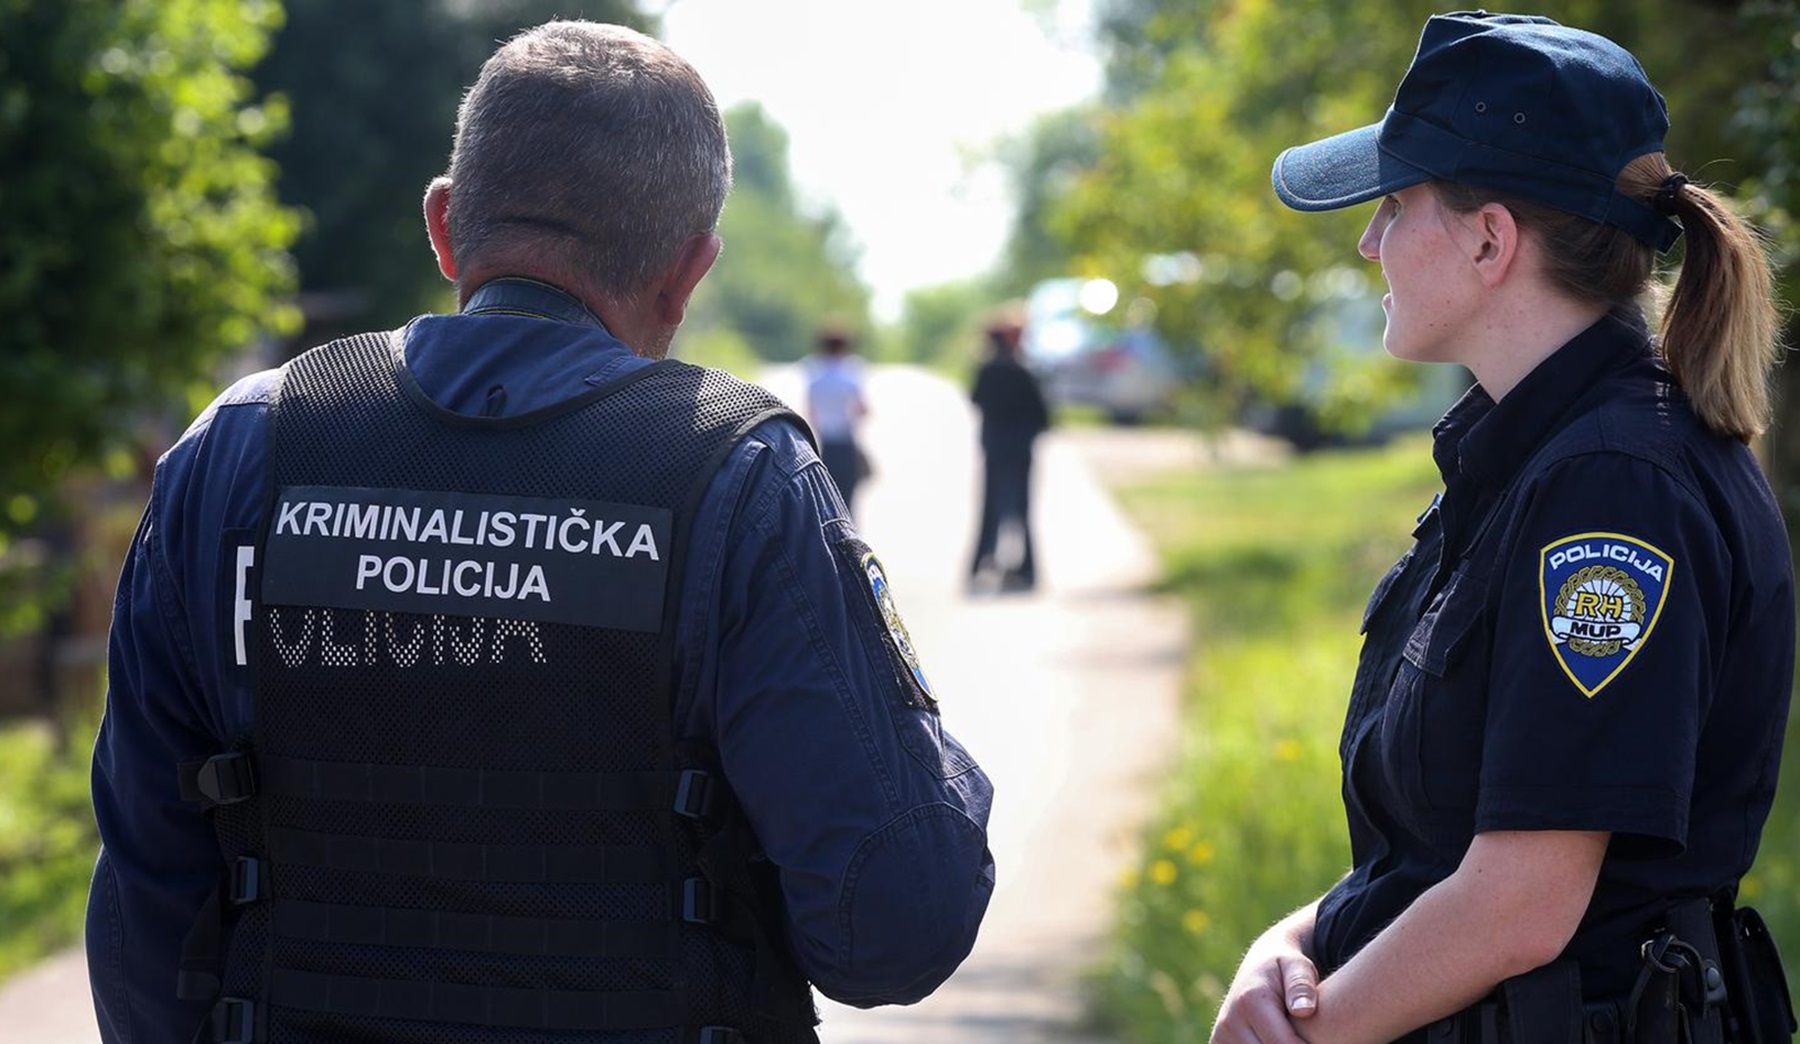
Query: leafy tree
(140,239)
(784,272)
(1043,163)
(1768,115)
(374,89)
(941,325)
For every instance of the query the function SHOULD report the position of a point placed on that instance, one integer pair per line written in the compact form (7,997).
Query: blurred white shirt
(834,396)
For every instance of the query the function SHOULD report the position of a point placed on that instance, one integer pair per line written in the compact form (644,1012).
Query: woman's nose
(1369,246)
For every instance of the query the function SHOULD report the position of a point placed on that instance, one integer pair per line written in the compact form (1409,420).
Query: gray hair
(592,147)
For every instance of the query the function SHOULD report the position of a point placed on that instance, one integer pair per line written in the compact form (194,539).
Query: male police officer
(491,680)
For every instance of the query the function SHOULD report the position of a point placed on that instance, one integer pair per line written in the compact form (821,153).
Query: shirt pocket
(1425,529)
(1379,597)
(1431,727)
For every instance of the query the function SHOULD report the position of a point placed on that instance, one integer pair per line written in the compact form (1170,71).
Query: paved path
(1067,697)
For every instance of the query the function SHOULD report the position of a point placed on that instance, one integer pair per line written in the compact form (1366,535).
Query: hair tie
(1668,195)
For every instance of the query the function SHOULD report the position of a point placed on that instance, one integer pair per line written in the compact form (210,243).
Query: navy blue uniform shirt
(1593,631)
(876,818)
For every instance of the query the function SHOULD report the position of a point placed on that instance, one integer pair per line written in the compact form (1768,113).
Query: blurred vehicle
(1356,394)
(1086,353)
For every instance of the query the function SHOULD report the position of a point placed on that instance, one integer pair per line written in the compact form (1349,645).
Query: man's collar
(517,295)
(1489,445)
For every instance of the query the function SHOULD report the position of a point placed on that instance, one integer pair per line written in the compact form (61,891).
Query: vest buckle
(226,779)
(246,880)
(699,901)
(694,795)
(234,1021)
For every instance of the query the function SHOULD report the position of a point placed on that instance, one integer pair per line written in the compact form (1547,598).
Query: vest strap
(476,1005)
(694,797)
(234,1021)
(223,779)
(244,884)
(432,930)
(612,864)
(468,788)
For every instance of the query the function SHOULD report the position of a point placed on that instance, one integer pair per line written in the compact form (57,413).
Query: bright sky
(892,109)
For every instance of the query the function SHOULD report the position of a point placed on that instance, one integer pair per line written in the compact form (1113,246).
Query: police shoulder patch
(898,639)
(1601,595)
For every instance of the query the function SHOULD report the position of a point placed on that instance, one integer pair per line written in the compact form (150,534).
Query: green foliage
(374,89)
(139,235)
(1204,97)
(941,326)
(47,844)
(1768,117)
(1275,564)
(784,272)
(1043,163)
(1773,884)
(720,347)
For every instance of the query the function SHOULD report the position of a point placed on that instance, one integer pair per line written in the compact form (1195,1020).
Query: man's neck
(627,321)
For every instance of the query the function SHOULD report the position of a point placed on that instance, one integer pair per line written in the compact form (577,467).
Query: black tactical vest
(463,815)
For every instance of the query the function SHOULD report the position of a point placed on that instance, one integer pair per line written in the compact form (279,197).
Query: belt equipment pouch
(1711,975)
(1761,1010)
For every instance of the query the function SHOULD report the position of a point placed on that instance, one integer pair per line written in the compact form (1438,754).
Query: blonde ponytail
(1721,328)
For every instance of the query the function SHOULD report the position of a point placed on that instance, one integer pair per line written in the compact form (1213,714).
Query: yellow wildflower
(1287,750)
(1162,872)
(1177,838)
(1201,854)
(1195,921)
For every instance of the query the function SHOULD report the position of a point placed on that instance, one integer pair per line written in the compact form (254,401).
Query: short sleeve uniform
(1593,631)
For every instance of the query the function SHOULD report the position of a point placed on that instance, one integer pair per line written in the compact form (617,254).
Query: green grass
(1773,884)
(47,843)
(1276,565)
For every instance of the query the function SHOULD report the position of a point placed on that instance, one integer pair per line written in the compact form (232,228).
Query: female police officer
(1566,721)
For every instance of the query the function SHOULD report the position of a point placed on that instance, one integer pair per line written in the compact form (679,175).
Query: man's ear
(1492,243)
(692,261)
(437,225)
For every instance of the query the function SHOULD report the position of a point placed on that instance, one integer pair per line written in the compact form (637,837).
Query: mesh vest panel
(472,890)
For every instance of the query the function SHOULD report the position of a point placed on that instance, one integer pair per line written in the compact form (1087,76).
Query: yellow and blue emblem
(1601,594)
(898,637)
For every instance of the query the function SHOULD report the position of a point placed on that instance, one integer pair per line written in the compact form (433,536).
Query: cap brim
(1341,171)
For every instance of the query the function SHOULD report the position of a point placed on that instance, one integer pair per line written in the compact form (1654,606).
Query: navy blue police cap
(1513,103)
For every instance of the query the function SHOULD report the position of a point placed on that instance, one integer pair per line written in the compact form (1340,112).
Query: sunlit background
(193,190)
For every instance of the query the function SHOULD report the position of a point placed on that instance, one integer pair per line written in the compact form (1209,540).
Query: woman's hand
(1275,986)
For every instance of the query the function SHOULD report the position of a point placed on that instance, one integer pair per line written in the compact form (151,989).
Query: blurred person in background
(1013,413)
(835,406)
(1563,736)
(496,679)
